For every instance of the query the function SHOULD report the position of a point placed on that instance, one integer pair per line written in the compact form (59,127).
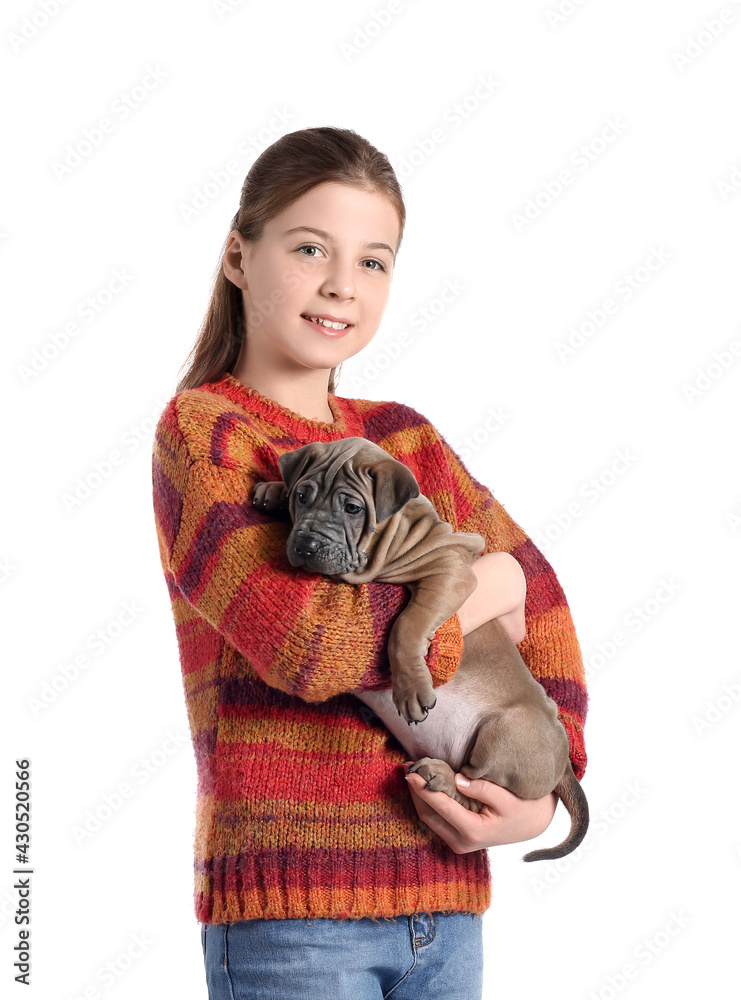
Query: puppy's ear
(393,485)
(293,464)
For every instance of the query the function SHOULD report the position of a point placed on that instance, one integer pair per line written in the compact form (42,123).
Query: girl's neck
(305,394)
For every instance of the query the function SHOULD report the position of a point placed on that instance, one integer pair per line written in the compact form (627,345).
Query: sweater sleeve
(301,632)
(550,648)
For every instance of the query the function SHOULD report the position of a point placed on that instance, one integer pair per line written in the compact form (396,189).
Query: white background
(649,551)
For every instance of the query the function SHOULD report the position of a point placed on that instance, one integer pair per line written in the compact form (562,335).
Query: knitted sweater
(302,809)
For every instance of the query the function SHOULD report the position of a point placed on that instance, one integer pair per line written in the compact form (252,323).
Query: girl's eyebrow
(327,236)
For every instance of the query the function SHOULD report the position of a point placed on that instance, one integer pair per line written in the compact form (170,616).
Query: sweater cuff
(446,649)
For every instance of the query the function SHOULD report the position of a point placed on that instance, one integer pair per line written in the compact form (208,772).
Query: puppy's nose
(306,545)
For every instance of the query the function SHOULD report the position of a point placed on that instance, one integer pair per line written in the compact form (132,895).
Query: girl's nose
(340,280)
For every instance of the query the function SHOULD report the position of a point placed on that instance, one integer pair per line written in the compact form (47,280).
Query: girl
(307,828)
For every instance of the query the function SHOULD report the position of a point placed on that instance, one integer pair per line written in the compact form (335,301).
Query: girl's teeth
(326,322)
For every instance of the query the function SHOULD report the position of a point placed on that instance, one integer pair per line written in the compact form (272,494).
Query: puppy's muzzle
(321,555)
(306,546)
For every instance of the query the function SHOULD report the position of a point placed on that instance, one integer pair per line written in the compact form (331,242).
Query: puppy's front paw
(414,697)
(270,496)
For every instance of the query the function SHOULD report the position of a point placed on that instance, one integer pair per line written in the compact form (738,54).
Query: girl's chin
(326,363)
(330,359)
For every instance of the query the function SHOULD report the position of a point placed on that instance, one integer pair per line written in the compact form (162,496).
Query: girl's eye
(309,246)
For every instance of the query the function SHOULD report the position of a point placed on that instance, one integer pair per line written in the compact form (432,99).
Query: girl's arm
(550,647)
(500,593)
(301,632)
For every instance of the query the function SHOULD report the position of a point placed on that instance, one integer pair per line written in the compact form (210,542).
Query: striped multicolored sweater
(302,808)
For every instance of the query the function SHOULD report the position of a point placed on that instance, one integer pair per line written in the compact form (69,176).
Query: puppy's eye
(301,497)
(353,508)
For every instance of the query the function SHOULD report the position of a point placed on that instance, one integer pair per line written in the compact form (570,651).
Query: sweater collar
(347,420)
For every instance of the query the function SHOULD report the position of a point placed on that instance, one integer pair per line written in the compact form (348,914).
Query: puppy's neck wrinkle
(391,545)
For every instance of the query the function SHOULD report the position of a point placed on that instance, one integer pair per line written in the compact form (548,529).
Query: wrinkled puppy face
(338,492)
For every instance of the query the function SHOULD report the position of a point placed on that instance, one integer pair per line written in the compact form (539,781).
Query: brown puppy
(358,516)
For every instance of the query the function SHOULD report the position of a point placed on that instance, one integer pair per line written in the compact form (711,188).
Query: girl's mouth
(328,331)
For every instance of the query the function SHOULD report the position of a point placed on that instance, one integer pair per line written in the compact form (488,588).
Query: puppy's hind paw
(440,777)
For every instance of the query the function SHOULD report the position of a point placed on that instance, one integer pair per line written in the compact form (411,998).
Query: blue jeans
(406,958)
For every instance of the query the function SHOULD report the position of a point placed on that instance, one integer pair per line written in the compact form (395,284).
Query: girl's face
(330,254)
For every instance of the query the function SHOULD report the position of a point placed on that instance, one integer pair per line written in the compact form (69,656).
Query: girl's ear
(394,484)
(294,463)
(234,259)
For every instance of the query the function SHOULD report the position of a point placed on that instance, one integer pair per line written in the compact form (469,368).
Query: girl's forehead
(336,199)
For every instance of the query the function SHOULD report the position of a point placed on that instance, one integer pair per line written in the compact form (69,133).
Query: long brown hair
(281,174)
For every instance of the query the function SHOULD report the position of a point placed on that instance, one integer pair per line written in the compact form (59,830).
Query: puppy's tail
(572,795)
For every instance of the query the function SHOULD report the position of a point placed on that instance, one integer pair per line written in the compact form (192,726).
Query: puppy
(358,515)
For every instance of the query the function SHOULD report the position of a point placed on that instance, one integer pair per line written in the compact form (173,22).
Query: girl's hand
(504,819)
(500,593)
